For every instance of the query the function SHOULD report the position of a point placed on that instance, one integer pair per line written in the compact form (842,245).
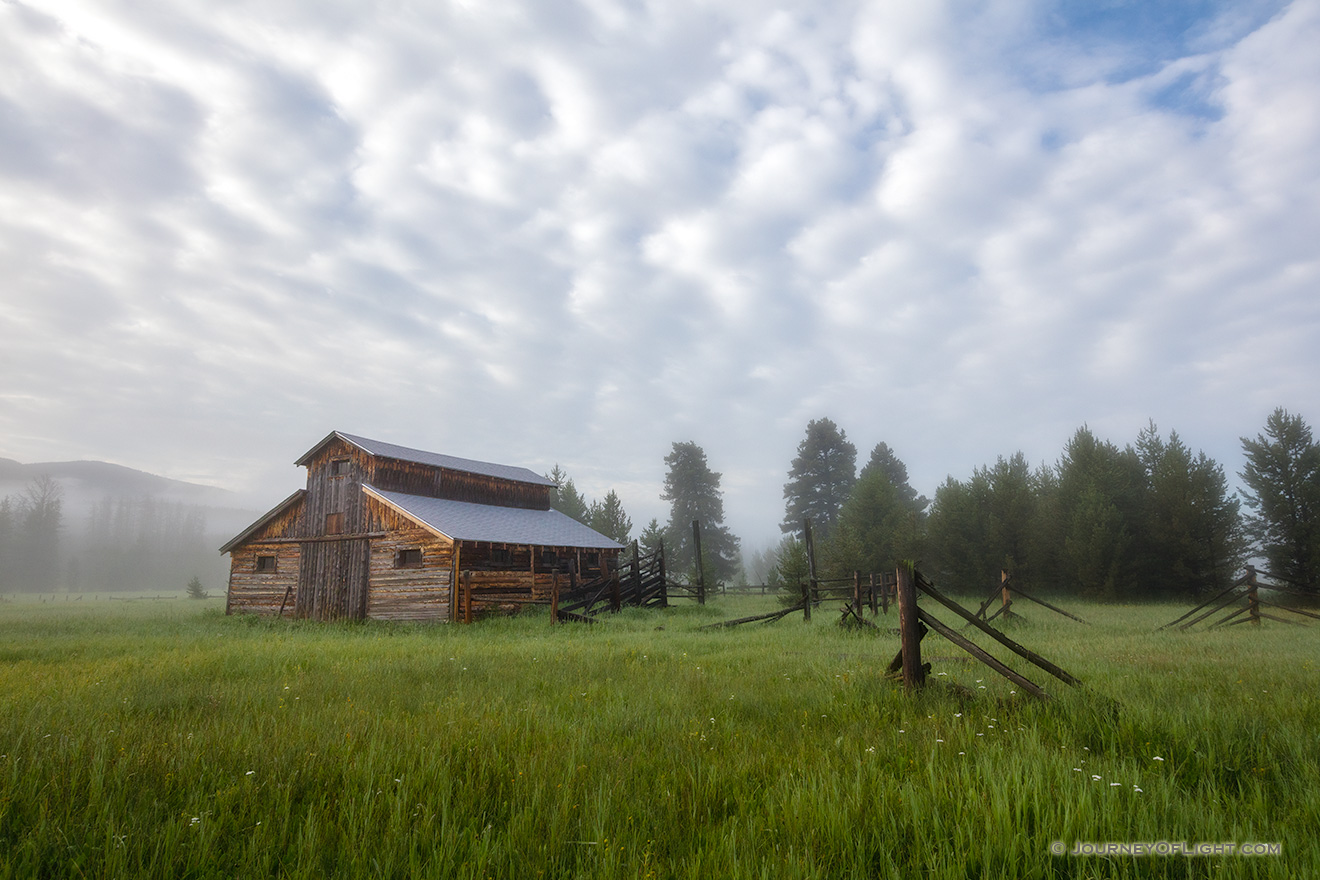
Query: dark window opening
(549,558)
(334,523)
(265,563)
(501,556)
(411,558)
(339,467)
(593,560)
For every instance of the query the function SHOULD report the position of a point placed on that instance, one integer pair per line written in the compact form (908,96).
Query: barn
(384,531)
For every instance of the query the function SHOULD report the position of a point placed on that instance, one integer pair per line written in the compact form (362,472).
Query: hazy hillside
(120,529)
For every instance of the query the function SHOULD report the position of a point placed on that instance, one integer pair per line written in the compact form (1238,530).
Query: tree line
(1148,520)
(119,544)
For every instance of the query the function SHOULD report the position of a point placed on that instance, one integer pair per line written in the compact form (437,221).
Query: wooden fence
(1243,598)
(638,580)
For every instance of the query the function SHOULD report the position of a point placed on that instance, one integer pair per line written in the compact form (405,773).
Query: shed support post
(554,595)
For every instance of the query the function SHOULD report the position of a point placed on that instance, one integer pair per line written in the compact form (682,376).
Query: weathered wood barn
(383,531)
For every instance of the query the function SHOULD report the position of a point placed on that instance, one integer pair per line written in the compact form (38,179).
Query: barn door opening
(332,580)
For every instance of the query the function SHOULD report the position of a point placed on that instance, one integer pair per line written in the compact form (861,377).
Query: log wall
(395,593)
(254,592)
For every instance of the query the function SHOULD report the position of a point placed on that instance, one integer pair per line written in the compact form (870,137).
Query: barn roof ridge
(383,449)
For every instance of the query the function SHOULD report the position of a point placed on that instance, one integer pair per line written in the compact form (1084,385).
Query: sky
(577,232)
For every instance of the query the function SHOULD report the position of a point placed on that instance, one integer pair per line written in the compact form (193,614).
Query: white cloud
(577,232)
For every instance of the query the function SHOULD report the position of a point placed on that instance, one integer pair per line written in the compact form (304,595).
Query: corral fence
(1242,603)
(638,580)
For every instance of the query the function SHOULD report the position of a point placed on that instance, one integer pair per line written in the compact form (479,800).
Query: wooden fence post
(467,596)
(857,593)
(701,569)
(664,578)
(910,630)
(809,589)
(875,608)
(616,597)
(1253,599)
(1004,597)
(637,571)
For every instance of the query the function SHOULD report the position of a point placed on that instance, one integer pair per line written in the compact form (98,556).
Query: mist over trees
(693,491)
(30,527)
(118,544)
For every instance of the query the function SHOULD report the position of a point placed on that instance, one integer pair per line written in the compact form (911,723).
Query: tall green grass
(167,740)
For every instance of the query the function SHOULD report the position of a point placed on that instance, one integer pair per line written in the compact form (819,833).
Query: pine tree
(1191,531)
(609,518)
(878,527)
(693,491)
(819,480)
(1099,502)
(651,537)
(790,570)
(565,497)
(1283,481)
(884,459)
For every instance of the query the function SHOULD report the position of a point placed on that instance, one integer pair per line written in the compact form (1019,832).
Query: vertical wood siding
(328,493)
(332,580)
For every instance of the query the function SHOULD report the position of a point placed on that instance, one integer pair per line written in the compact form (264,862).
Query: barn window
(411,558)
(265,564)
(593,560)
(334,523)
(549,558)
(501,556)
(339,467)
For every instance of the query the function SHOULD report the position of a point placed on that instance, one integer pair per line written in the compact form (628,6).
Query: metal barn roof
(464,521)
(435,459)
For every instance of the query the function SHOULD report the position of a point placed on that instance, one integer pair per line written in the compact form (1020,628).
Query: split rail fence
(1243,598)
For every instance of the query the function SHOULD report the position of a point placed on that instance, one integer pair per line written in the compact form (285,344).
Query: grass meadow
(164,739)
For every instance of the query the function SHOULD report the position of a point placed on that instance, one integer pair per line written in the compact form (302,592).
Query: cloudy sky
(575,232)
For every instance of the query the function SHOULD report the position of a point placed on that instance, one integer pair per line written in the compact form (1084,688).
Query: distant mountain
(93,480)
